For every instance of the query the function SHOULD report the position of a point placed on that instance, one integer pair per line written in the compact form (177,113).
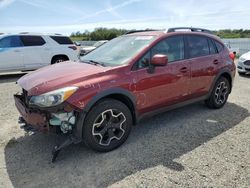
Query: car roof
(31,33)
(162,33)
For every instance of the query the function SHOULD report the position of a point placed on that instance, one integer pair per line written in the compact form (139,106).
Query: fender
(77,132)
(222,71)
(111,91)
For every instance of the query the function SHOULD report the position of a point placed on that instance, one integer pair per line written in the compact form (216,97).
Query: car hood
(89,48)
(246,56)
(57,76)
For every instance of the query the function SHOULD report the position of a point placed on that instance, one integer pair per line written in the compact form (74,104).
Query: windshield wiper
(95,62)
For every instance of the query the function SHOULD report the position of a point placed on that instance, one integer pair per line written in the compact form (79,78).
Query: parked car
(131,77)
(243,66)
(86,49)
(77,43)
(27,51)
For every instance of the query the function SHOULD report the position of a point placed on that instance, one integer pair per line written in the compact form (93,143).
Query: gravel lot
(188,147)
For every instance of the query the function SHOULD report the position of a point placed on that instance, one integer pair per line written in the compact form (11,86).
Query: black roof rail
(138,31)
(193,29)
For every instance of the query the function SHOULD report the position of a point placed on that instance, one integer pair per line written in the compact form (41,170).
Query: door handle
(16,50)
(215,61)
(183,69)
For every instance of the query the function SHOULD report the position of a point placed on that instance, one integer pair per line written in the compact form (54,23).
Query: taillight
(232,55)
(73,47)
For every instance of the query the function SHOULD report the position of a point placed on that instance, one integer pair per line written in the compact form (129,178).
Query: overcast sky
(65,16)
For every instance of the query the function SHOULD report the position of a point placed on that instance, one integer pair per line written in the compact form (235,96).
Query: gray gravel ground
(189,147)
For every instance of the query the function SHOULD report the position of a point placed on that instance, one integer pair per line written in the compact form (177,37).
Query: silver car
(243,66)
(86,49)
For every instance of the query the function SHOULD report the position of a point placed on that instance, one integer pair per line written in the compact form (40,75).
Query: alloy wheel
(59,61)
(221,93)
(108,126)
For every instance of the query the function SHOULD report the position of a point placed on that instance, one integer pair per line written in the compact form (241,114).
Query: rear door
(34,51)
(63,45)
(167,84)
(11,57)
(204,61)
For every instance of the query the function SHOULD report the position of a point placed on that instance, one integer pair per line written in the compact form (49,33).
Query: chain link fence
(240,45)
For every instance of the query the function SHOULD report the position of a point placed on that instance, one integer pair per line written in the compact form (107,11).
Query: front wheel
(219,95)
(107,125)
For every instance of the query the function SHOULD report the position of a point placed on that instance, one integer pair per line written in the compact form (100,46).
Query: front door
(166,85)
(11,57)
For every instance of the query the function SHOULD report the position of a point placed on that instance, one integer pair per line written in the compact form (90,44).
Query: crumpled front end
(59,119)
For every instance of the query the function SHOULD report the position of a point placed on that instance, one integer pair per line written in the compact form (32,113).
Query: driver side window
(173,47)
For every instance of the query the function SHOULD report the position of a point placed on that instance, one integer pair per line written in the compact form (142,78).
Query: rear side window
(219,46)
(10,42)
(61,40)
(212,48)
(197,46)
(32,40)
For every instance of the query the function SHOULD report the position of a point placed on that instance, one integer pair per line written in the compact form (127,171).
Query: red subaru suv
(99,98)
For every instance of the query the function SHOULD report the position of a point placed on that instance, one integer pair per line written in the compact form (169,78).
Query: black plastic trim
(172,107)
(108,92)
(112,91)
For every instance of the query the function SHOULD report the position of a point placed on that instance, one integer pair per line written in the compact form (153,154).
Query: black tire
(220,93)
(58,59)
(102,131)
(241,73)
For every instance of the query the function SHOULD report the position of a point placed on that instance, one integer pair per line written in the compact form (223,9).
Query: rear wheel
(107,125)
(219,94)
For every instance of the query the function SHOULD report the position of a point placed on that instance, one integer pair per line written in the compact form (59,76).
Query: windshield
(119,50)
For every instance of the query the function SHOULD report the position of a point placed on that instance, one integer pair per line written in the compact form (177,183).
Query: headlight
(53,98)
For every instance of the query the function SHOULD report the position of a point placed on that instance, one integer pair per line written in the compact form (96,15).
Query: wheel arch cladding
(119,94)
(222,73)
(229,78)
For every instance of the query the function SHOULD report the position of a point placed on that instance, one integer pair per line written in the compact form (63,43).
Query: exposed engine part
(65,127)
(66,121)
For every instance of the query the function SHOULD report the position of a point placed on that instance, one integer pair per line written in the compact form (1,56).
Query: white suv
(26,51)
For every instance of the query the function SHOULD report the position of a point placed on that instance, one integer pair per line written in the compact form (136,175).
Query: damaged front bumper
(61,119)
(56,119)
(31,117)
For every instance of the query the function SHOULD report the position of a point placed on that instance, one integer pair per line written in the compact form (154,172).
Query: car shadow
(158,140)
(11,77)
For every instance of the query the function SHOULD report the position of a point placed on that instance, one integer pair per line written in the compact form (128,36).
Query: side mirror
(159,60)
